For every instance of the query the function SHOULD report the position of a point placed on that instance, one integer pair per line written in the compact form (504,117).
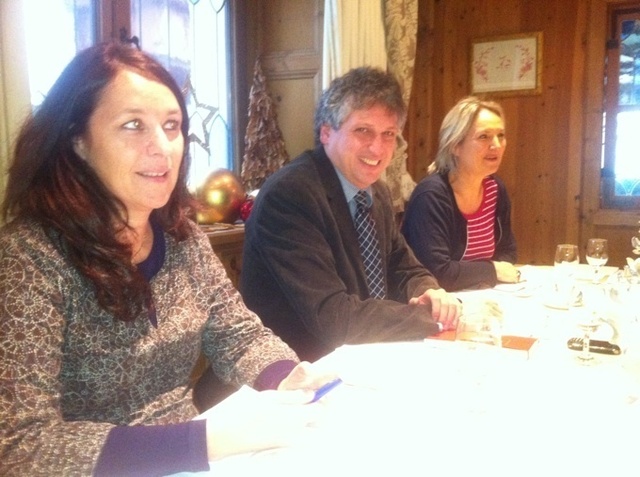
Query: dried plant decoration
(264,151)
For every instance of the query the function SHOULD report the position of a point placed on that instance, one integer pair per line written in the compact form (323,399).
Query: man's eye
(365,134)
(389,134)
(133,124)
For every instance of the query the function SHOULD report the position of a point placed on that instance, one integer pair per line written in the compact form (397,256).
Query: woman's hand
(507,272)
(250,421)
(305,377)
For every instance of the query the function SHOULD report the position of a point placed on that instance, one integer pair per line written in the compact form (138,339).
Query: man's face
(363,146)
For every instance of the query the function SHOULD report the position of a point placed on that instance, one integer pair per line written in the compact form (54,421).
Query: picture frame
(507,65)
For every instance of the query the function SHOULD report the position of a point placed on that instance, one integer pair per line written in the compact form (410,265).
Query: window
(55,31)
(189,37)
(621,116)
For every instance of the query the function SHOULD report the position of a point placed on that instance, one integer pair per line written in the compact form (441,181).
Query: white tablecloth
(439,408)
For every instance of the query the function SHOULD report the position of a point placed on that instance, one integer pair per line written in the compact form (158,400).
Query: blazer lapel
(340,209)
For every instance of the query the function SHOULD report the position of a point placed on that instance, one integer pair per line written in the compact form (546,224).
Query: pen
(325,389)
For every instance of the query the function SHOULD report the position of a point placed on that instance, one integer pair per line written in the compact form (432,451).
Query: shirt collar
(350,190)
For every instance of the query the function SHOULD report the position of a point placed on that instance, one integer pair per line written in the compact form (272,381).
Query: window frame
(616,14)
(114,22)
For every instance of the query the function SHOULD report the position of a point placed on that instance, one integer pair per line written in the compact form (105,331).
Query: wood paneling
(287,36)
(545,160)
(541,177)
(552,160)
(227,243)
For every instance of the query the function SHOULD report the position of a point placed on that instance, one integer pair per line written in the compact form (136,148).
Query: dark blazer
(302,272)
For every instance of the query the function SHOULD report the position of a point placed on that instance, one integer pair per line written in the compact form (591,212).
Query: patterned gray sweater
(69,373)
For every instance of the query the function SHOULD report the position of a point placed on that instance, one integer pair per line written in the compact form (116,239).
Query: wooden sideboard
(227,242)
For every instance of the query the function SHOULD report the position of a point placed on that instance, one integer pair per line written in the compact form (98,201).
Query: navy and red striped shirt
(481,242)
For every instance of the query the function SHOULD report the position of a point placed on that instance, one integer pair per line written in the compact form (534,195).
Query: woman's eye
(172,125)
(133,124)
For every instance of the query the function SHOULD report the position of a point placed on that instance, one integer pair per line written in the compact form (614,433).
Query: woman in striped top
(458,218)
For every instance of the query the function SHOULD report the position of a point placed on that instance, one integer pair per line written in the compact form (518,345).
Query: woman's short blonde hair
(454,129)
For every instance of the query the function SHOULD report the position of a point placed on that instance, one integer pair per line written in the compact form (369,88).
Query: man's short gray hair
(359,88)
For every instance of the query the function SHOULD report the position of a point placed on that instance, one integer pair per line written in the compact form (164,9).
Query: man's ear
(325,131)
(80,147)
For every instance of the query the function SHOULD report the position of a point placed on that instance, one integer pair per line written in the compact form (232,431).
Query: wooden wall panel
(295,112)
(542,164)
(553,138)
(287,36)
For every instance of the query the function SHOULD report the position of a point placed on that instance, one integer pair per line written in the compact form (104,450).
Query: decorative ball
(221,195)
(245,209)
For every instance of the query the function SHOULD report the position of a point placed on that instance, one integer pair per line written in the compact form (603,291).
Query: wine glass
(566,262)
(588,325)
(597,255)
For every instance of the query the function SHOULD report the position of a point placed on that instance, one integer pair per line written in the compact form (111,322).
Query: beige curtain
(353,36)
(401,26)
(378,33)
(14,86)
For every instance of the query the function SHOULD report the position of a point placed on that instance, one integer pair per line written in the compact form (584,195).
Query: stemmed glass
(588,325)
(597,255)
(566,261)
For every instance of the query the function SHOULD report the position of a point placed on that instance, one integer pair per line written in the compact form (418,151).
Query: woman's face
(134,141)
(481,151)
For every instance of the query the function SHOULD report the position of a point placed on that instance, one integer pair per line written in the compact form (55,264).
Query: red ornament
(245,209)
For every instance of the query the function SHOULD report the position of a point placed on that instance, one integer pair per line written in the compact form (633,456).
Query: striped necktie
(369,248)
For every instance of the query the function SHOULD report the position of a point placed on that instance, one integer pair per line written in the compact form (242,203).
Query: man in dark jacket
(303,271)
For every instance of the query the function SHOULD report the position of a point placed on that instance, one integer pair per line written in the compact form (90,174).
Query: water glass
(480,326)
(597,255)
(566,263)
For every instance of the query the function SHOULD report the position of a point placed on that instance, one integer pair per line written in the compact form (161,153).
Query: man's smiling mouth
(369,162)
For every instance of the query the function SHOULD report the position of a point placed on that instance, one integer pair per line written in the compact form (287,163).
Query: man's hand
(445,308)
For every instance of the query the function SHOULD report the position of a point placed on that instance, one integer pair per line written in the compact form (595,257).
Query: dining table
(441,407)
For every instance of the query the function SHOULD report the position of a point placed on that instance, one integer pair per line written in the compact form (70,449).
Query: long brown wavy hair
(50,183)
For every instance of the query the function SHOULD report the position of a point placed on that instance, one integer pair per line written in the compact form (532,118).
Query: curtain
(378,33)
(353,36)
(15,102)
(401,26)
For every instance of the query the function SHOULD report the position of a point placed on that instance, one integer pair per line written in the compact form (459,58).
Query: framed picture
(507,65)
